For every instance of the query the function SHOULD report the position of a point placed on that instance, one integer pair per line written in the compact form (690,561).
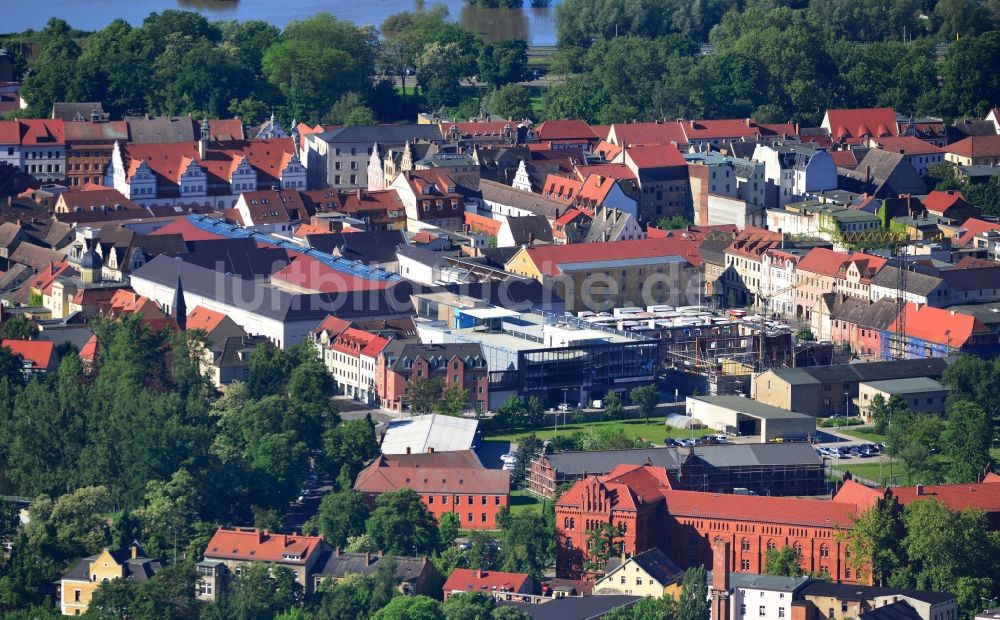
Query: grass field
(876,472)
(864,433)
(654,431)
(522,502)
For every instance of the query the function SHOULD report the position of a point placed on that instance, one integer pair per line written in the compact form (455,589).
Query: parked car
(841,453)
(719,439)
(671,442)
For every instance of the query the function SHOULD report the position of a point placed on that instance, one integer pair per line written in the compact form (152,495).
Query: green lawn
(654,431)
(864,433)
(522,502)
(876,472)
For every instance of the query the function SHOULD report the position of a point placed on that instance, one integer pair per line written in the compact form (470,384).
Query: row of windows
(458,499)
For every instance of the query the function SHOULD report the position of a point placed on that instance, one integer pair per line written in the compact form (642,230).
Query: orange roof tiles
(785,510)
(940,326)
(940,201)
(203,318)
(976,146)
(33,132)
(378,477)
(481,224)
(655,156)
(972,227)
(854,124)
(252,544)
(89,198)
(333,325)
(613,171)
(852,492)
(823,261)
(169,161)
(844,159)
(570,129)
(647,133)
(189,232)
(38,352)
(308,274)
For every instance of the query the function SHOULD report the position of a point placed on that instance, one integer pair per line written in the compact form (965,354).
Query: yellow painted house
(650,573)
(77,587)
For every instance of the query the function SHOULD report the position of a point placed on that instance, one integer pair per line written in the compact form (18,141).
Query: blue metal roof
(232,231)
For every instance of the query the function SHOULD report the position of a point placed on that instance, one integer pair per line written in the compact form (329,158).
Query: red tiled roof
(976,146)
(612,171)
(468,580)
(571,129)
(844,158)
(607,150)
(720,128)
(252,544)
(203,318)
(655,156)
(305,272)
(483,224)
(972,227)
(908,145)
(940,201)
(983,496)
(168,161)
(38,352)
(854,124)
(754,242)
(188,231)
(823,261)
(940,326)
(33,132)
(561,189)
(548,258)
(88,199)
(785,510)
(378,477)
(971,262)
(992,477)
(647,133)
(47,275)
(89,350)
(333,325)
(852,492)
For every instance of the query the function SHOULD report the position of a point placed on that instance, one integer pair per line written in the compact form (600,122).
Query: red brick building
(447,482)
(685,524)
(456,364)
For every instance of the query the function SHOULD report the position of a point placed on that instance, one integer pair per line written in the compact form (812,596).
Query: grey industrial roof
(988,313)
(733,455)
(900,610)
(916,283)
(909,385)
(374,246)
(419,254)
(750,407)
(530,228)
(867,371)
(529,201)
(575,607)
(773,583)
(853,592)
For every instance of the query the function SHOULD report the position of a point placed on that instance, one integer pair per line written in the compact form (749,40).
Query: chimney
(430,449)
(868,174)
(359,193)
(920,490)
(720,579)
(337,552)
(479,574)
(368,558)
(135,550)
(407,449)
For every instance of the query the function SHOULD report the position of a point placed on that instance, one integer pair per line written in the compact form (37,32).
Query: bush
(838,422)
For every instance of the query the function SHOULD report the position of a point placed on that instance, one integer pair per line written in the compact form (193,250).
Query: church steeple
(179,306)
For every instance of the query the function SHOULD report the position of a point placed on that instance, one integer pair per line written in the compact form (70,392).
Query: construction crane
(897,242)
(764,301)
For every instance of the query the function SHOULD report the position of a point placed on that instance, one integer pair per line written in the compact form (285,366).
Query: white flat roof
(489,313)
(418,434)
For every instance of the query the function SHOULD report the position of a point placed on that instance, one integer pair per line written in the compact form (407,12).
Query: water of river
(537,26)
